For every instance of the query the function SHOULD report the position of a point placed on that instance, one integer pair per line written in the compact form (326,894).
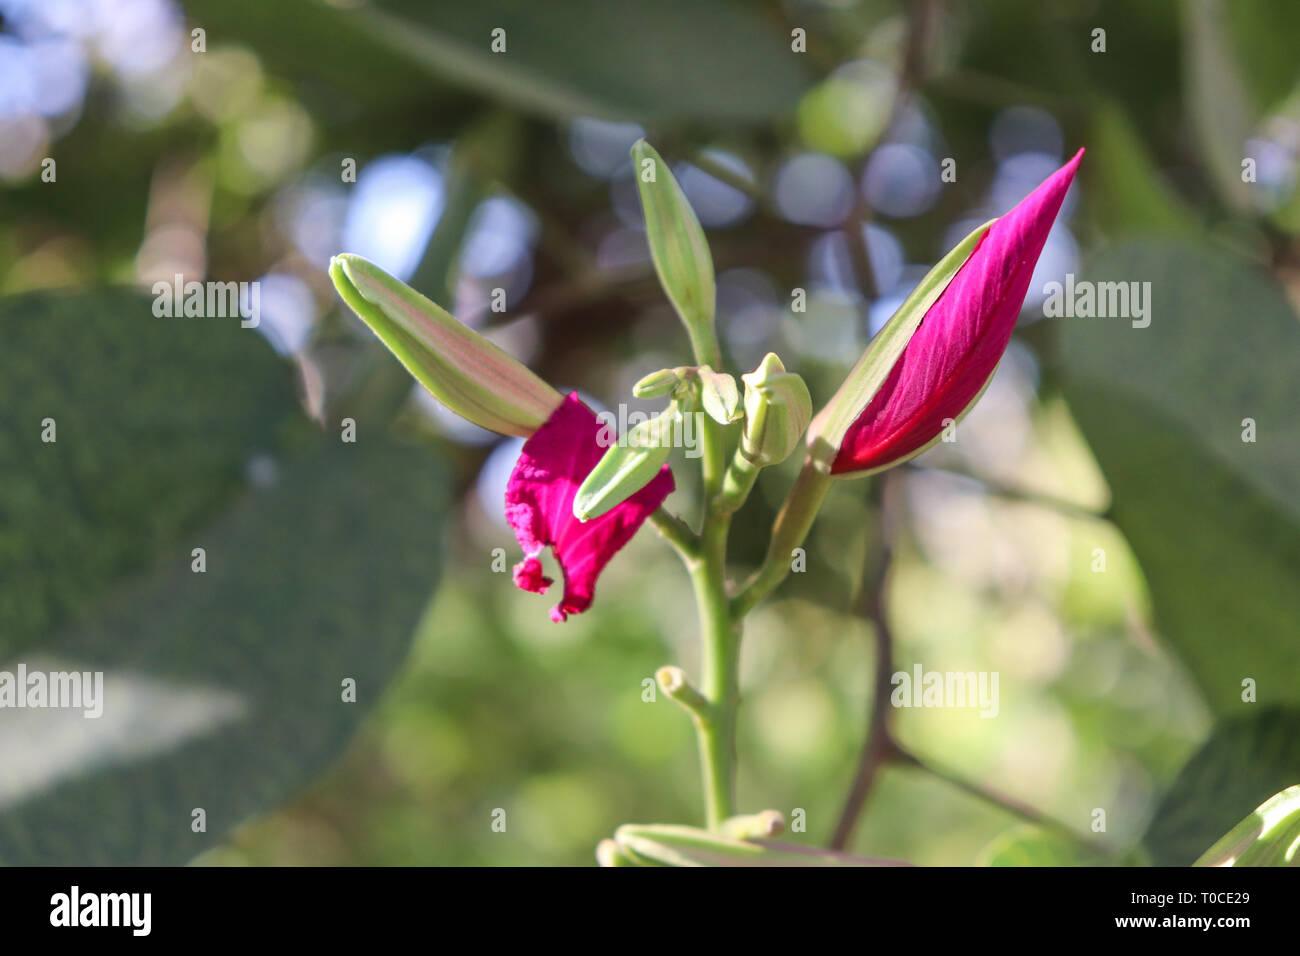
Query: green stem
(719,651)
(737,484)
(788,533)
(715,725)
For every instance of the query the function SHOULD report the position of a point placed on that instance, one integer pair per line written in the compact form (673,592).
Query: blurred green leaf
(156,420)
(1264,34)
(329,58)
(1214,520)
(225,690)
(679,249)
(711,60)
(1220,108)
(1268,837)
(1245,761)
(1131,196)
(1025,845)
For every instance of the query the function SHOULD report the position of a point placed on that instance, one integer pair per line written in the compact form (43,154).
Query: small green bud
(657,384)
(778,408)
(628,465)
(720,396)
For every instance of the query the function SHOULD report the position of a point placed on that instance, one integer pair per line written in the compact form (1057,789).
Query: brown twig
(878,748)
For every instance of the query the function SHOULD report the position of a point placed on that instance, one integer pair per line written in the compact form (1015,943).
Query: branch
(1023,810)
(1024,496)
(878,748)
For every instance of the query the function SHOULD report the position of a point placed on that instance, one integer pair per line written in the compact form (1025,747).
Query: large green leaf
(155,421)
(714,60)
(223,690)
(1025,845)
(1221,109)
(1214,520)
(1245,761)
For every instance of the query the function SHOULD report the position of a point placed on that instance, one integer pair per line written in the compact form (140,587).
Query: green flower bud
(463,370)
(656,384)
(777,410)
(678,248)
(628,465)
(720,396)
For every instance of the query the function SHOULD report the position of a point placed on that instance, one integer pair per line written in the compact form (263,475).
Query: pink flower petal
(961,339)
(539,506)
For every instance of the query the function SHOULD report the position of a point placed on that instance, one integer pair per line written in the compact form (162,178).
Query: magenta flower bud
(950,359)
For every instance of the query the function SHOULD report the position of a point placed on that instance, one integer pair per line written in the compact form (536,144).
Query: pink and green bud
(462,369)
(934,358)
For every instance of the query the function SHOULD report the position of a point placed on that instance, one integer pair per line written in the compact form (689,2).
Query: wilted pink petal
(961,339)
(539,506)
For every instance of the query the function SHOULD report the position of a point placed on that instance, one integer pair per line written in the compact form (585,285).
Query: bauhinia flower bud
(678,248)
(628,465)
(463,370)
(657,384)
(777,410)
(719,395)
(935,357)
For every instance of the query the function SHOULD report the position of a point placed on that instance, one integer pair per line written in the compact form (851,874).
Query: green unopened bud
(657,384)
(463,370)
(777,410)
(628,465)
(719,395)
(678,248)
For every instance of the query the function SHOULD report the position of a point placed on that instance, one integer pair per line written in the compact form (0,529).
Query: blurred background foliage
(478,170)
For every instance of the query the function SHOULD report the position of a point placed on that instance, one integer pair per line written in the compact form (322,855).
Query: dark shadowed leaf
(1245,761)
(155,421)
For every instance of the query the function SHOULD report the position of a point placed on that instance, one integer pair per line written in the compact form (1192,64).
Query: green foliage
(155,421)
(590,57)
(1032,846)
(1268,837)
(223,689)
(1214,520)
(1245,761)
